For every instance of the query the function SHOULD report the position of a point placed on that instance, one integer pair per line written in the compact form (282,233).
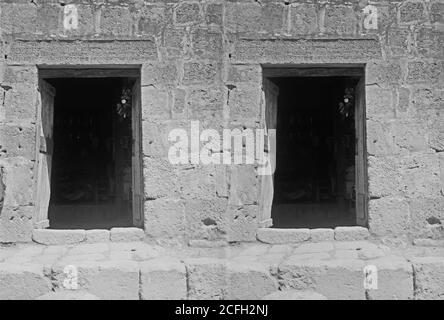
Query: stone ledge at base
(281,236)
(58,237)
(127,234)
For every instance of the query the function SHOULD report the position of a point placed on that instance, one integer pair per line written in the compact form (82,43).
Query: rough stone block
(163,278)
(22,282)
(207,278)
(245,102)
(411,12)
(115,21)
(437,12)
(165,218)
(207,45)
(153,18)
(16,224)
(108,280)
(423,210)
(18,180)
(205,219)
(214,14)
(429,278)
(155,103)
(18,18)
(242,223)
(201,73)
(279,236)
(160,179)
(389,216)
(55,237)
(244,185)
(399,41)
(205,103)
(249,281)
(384,73)
(17,140)
(187,13)
(303,19)
(254,18)
(82,52)
(250,74)
(159,74)
(322,234)
(305,51)
(335,279)
(97,235)
(380,141)
(340,20)
(379,103)
(127,234)
(395,279)
(424,72)
(351,233)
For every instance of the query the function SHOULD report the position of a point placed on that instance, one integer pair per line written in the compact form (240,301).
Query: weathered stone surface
(19,282)
(127,234)
(97,235)
(16,224)
(395,279)
(322,234)
(242,222)
(429,277)
(277,236)
(206,278)
(18,180)
(165,218)
(17,140)
(187,13)
(389,216)
(411,12)
(303,19)
(351,233)
(340,20)
(249,282)
(108,280)
(335,279)
(55,237)
(163,278)
(294,295)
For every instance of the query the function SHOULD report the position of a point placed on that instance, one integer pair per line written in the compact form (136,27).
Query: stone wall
(201,60)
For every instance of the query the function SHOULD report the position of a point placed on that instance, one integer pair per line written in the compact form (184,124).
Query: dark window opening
(315,184)
(91,167)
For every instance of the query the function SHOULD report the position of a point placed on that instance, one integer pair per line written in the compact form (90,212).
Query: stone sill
(287,236)
(74,236)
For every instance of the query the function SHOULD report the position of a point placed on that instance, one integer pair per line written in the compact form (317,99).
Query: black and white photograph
(248,152)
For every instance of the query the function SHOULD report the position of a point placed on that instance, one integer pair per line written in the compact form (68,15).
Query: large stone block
(341,20)
(18,18)
(127,234)
(429,278)
(384,73)
(108,280)
(17,140)
(207,45)
(206,219)
(16,224)
(399,41)
(18,180)
(305,51)
(22,282)
(395,279)
(335,279)
(20,103)
(115,21)
(351,233)
(160,179)
(242,223)
(155,103)
(155,141)
(389,216)
(379,138)
(280,236)
(151,19)
(206,103)
(251,74)
(159,74)
(163,279)
(437,12)
(429,42)
(410,135)
(250,281)
(78,52)
(214,14)
(165,218)
(57,237)
(424,72)
(187,13)
(379,103)
(245,102)
(253,18)
(303,19)
(411,11)
(197,182)
(207,278)
(244,185)
(201,73)
(422,212)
